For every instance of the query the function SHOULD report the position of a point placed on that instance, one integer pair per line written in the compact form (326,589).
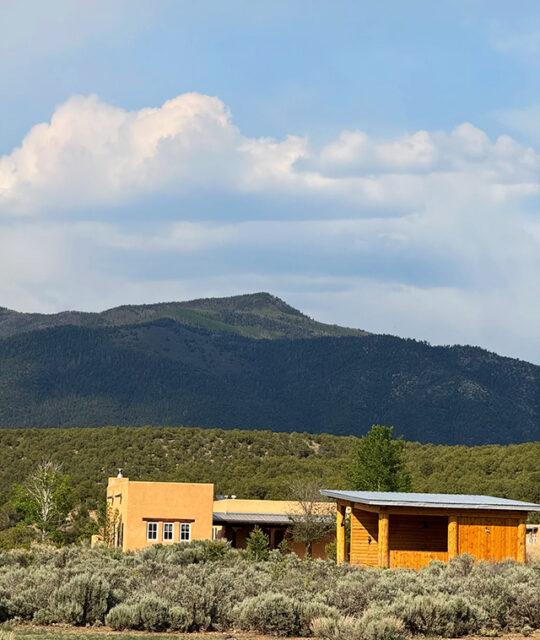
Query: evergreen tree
(378,462)
(258,545)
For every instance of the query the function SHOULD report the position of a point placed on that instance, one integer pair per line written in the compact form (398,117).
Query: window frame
(183,526)
(166,526)
(148,525)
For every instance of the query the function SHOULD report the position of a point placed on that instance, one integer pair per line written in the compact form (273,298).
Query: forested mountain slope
(258,315)
(133,371)
(252,464)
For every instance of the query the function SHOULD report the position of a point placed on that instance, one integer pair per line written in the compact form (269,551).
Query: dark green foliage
(250,464)
(258,545)
(378,462)
(204,363)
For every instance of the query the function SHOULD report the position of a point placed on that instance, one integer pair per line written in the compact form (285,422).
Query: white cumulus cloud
(432,234)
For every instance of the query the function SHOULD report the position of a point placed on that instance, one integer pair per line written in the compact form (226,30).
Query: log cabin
(409,530)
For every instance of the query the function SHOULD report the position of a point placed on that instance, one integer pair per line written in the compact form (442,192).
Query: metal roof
(251,518)
(430,500)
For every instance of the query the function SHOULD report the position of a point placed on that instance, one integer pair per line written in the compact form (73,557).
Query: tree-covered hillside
(257,315)
(251,464)
(167,373)
(255,362)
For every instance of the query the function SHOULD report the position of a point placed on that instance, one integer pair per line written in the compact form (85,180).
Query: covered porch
(410,530)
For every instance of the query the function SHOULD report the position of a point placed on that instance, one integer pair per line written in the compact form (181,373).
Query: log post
(452,537)
(522,540)
(384,559)
(340,533)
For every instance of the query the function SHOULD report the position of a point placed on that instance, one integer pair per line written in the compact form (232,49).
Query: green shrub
(447,616)
(345,628)
(331,550)
(272,613)
(216,550)
(383,628)
(352,593)
(525,611)
(153,613)
(124,616)
(85,599)
(309,611)
(43,616)
(207,586)
(180,619)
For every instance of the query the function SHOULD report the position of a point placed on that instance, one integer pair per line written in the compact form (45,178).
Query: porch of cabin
(382,539)
(411,538)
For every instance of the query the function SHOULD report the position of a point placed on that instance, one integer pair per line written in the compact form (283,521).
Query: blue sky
(374,164)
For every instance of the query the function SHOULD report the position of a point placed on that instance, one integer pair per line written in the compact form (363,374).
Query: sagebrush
(209,586)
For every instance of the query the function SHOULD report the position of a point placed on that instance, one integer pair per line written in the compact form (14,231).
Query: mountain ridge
(254,362)
(257,315)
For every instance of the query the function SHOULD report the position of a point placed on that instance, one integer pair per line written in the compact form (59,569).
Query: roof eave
(337,495)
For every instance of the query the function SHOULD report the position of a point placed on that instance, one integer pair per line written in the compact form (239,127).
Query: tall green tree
(378,462)
(44,499)
(258,545)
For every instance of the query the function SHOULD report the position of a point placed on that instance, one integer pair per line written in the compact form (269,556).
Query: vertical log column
(340,533)
(452,537)
(384,559)
(522,540)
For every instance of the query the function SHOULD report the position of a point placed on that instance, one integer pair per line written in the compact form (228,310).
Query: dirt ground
(34,632)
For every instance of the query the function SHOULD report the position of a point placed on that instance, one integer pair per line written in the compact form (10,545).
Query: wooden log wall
(415,559)
(488,538)
(364,538)
(418,533)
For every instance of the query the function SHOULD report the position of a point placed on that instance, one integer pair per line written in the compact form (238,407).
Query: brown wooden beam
(168,520)
(384,555)
(452,536)
(522,541)
(340,533)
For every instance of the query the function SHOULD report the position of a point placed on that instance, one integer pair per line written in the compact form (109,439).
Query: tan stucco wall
(234,505)
(161,501)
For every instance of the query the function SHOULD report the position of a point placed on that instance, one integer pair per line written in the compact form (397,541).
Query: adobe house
(234,520)
(165,512)
(409,530)
(146,513)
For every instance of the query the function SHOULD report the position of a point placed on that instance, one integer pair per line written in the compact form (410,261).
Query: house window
(185,532)
(168,531)
(120,535)
(215,533)
(151,530)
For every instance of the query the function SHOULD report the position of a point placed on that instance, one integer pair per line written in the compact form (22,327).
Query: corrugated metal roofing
(433,500)
(252,518)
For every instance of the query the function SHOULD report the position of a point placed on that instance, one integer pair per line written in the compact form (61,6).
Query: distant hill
(255,362)
(258,315)
(251,464)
